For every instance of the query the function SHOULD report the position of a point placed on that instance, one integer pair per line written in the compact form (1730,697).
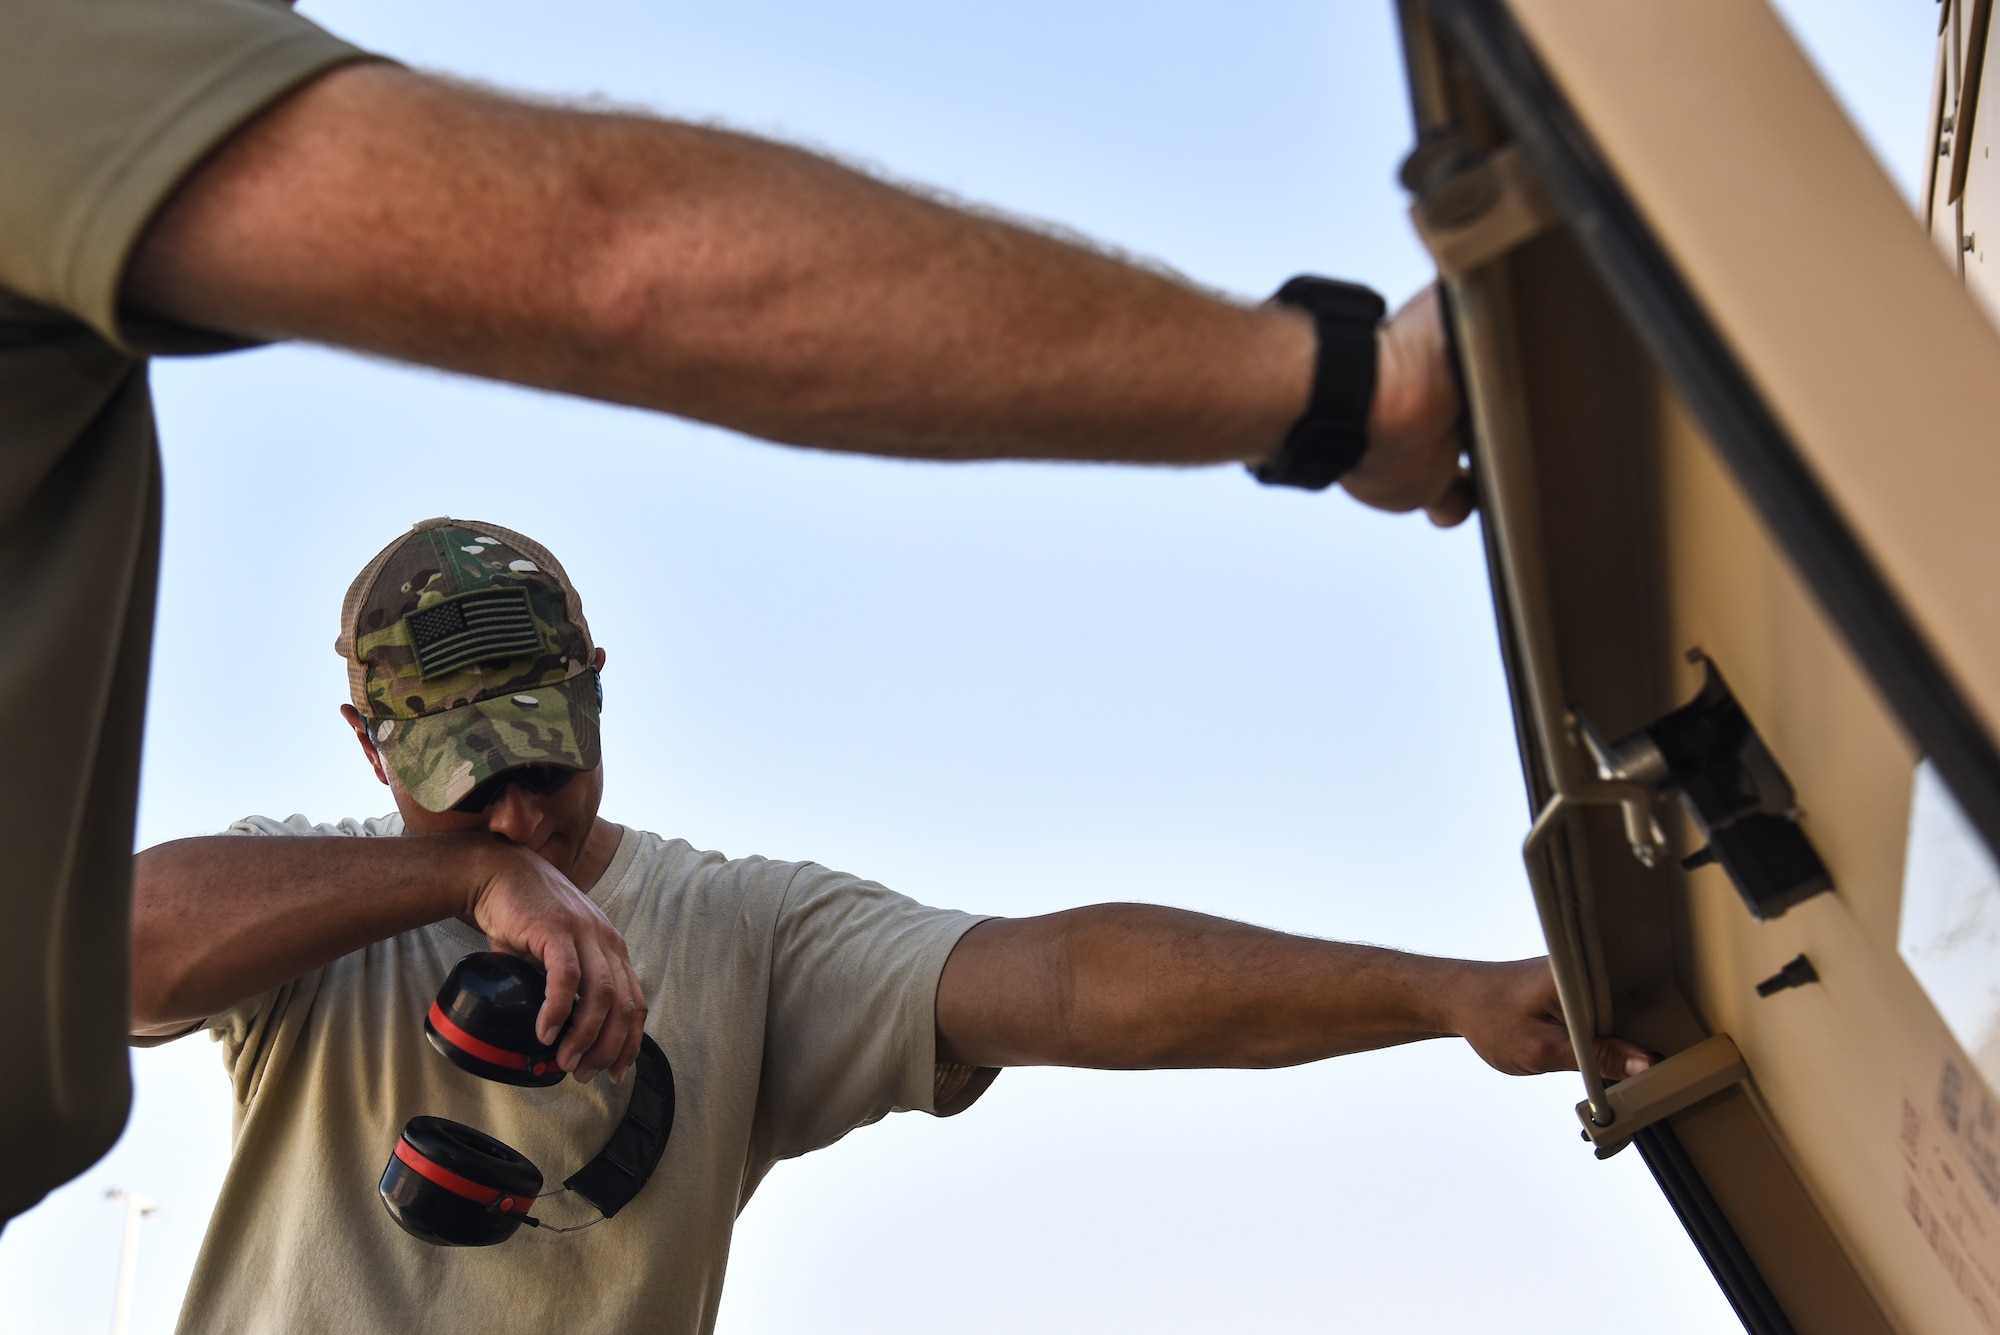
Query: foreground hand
(528,908)
(1510,1015)
(1412,460)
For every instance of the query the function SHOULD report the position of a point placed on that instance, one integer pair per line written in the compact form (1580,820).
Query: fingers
(1616,1058)
(1414,444)
(1619,1060)
(1518,1027)
(630,1052)
(560,962)
(597,996)
(615,1041)
(592,985)
(1457,503)
(635,1011)
(593,1002)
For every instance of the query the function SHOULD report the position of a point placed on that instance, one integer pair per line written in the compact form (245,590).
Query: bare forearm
(1135,986)
(219,919)
(707,274)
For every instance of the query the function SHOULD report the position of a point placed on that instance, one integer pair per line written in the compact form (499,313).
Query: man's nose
(516,815)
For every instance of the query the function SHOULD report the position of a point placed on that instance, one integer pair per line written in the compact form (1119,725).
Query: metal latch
(1707,753)
(1471,208)
(1660,1091)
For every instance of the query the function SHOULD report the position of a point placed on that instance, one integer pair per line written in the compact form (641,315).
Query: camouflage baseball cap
(468,654)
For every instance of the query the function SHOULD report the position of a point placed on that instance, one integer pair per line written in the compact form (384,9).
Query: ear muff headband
(614,1176)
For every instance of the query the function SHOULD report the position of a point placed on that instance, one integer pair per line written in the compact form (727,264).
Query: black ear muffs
(452,1185)
(483,1021)
(455,1186)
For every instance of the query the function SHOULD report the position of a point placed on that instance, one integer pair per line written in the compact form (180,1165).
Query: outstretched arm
(1131,986)
(746,283)
(216,920)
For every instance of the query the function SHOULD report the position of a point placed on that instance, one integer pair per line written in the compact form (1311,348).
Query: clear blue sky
(1008,689)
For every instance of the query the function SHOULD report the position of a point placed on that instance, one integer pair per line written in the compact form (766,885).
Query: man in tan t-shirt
(794,1003)
(193,175)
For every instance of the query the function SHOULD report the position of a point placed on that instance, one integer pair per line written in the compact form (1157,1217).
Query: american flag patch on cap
(473,628)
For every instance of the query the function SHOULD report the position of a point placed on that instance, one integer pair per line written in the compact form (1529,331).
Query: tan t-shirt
(105,106)
(795,1004)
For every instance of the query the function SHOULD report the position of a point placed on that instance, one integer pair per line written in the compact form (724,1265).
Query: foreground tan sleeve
(105,106)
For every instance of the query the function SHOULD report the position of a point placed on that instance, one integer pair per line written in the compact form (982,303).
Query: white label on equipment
(1950,931)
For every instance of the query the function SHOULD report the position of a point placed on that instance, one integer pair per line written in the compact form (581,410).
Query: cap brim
(441,757)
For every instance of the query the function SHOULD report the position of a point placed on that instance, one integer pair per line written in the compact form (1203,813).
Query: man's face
(551,821)
(553,826)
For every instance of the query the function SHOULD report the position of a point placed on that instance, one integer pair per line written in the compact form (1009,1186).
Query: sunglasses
(541,780)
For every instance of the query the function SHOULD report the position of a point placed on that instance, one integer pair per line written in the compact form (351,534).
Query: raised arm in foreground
(1131,986)
(217,920)
(746,283)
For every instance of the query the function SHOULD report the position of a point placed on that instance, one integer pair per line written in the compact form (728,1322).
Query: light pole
(136,1208)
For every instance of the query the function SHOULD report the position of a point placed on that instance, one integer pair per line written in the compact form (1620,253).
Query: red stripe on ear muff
(461,1186)
(483,1050)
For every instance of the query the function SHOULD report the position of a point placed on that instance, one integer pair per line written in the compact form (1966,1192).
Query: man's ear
(368,747)
(597,658)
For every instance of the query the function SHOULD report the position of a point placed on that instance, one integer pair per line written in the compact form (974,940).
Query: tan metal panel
(1940,216)
(1620,542)
(1979,207)
(1814,272)
(1835,1063)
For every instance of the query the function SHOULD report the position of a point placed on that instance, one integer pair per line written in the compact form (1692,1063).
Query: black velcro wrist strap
(1333,434)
